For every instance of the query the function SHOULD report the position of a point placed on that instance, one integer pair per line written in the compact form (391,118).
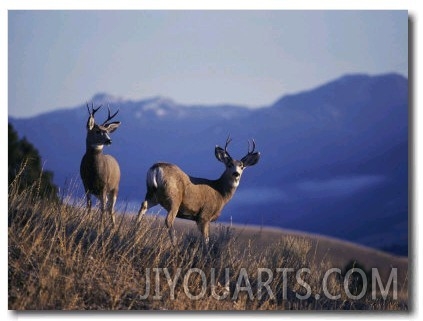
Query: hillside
(61,258)
(334,158)
(338,252)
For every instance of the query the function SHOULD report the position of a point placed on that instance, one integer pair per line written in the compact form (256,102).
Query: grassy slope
(338,252)
(322,248)
(61,258)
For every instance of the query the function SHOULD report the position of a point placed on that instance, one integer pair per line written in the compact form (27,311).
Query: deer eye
(98,131)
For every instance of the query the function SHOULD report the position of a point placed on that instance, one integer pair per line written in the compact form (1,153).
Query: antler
(228,140)
(109,117)
(93,110)
(250,153)
(254,147)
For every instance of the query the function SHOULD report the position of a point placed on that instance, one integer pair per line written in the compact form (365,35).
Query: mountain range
(334,159)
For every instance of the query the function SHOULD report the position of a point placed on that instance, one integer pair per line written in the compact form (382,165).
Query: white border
(415,123)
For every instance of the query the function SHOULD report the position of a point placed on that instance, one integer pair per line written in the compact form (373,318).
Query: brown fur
(197,199)
(100,173)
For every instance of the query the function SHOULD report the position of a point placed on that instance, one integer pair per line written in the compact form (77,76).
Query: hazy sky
(62,58)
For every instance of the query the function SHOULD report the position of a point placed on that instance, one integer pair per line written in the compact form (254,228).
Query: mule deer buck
(100,173)
(197,199)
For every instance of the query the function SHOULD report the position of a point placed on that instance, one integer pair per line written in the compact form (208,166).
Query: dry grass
(59,259)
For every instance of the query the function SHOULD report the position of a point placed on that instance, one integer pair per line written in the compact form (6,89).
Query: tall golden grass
(62,258)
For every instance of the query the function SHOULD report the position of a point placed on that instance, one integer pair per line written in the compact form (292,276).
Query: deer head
(234,168)
(98,135)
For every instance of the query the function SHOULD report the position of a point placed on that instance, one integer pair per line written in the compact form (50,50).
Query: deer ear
(112,126)
(221,154)
(251,159)
(90,123)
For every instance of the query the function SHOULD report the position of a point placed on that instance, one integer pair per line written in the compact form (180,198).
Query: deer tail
(154,177)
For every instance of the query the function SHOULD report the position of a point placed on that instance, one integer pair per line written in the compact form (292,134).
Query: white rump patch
(155,177)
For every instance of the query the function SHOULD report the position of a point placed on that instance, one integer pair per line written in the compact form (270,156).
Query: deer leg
(89,203)
(170,218)
(148,203)
(172,235)
(103,205)
(143,209)
(204,227)
(112,202)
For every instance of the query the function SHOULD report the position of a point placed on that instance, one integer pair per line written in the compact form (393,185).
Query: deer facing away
(197,199)
(100,173)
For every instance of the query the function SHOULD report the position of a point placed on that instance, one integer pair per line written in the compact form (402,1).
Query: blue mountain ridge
(334,158)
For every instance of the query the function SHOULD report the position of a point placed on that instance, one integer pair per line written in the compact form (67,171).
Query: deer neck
(94,150)
(226,187)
